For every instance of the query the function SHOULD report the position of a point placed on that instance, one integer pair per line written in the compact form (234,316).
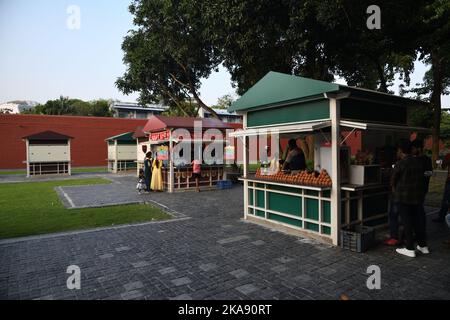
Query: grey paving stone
(130,295)
(232,239)
(106,256)
(247,289)
(167,270)
(239,273)
(285,259)
(181,281)
(133,285)
(207,266)
(258,243)
(48,297)
(303,277)
(123,248)
(279,268)
(140,264)
(183,296)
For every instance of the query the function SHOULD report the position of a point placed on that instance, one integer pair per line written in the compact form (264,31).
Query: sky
(44,54)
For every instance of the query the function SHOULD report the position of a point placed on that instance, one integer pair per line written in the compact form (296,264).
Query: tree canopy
(75,107)
(177,43)
(168,54)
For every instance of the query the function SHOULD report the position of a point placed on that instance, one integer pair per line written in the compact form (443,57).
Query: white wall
(126,152)
(49,153)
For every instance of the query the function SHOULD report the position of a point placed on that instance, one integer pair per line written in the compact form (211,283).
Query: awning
(381,127)
(317,125)
(301,127)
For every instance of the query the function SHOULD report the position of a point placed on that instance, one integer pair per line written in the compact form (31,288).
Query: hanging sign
(229,153)
(162,153)
(158,136)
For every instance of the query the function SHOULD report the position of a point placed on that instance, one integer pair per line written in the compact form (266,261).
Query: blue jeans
(393,219)
(445,201)
(447,218)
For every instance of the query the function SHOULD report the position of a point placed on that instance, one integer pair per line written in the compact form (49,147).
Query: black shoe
(438,220)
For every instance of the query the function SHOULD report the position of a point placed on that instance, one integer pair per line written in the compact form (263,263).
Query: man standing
(148,170)
(408,190)
(295,159)
(446,196)
(417,151)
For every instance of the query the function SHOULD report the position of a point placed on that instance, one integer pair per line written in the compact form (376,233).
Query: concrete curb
(72,233)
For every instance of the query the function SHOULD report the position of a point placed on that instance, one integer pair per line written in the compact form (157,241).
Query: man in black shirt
(295,159)
(409,191)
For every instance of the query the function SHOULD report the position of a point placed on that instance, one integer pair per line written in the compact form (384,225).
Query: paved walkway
(212,255)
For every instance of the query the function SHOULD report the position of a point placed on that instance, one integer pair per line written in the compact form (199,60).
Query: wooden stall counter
(184,180)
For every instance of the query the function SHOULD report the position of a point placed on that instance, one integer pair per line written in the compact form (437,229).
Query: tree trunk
(382,78)
(203,105)
(436,66)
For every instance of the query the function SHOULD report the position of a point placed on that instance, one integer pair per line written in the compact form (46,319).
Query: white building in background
(18,106)
(134,110)
(224,115)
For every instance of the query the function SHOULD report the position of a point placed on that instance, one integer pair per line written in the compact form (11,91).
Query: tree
(224,102)
(66,106)
(251,36)
(313,38)
(168,54)
(434,48)
(188,107)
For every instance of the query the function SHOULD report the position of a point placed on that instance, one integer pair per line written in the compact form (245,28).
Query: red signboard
(158,136)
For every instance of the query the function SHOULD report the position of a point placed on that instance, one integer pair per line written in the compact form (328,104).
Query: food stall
(353,130)
(48,152)
(176,141)
(121,152)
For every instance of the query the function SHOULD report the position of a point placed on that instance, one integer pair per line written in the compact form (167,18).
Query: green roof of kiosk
(279,88)
(123,137)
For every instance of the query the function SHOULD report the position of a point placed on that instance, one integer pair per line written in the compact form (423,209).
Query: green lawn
(12,172)
(32,208)
(74,170)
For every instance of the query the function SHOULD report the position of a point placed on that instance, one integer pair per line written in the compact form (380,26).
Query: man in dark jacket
(408,188)
(446,195)
(148,161)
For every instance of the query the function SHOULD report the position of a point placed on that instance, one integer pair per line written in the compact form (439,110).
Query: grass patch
(12,172)
(74,170)
(33,208)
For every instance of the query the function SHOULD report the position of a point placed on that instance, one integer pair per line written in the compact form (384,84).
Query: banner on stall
(162,153)
(229,153)
(160,136)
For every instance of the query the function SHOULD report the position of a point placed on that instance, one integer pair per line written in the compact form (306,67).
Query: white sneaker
(406,252)
(424,250)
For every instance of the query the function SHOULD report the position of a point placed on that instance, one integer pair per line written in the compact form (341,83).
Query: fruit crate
(357,238)
(224,184)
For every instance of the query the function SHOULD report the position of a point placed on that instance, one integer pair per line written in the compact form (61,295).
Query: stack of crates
(224,184)
(357,238)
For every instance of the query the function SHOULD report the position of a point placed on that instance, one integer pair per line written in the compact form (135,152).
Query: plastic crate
(224,184)
(357,238)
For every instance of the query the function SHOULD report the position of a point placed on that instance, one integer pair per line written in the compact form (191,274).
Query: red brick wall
(88,146)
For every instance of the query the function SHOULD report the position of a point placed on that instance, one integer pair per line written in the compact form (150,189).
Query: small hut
(143,146)
(121,152)
(48,152)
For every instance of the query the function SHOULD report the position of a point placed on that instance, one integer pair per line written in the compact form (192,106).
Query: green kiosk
(353,133)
